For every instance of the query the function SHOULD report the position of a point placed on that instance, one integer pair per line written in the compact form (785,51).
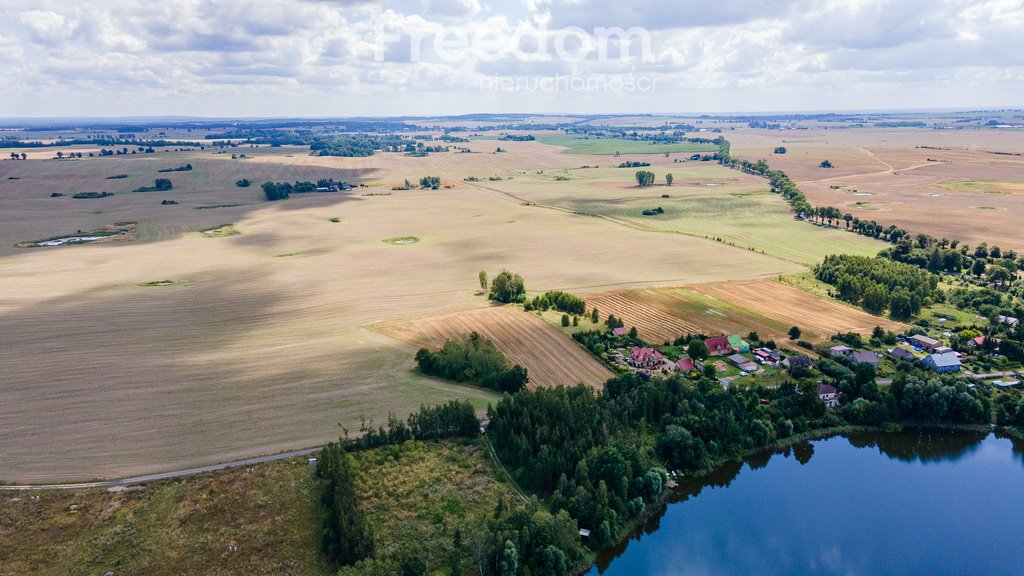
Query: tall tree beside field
(594,317)
(668,179)
(794,332)
(644,178)
(697,350)
(345,536)
(483,280)
(508,287)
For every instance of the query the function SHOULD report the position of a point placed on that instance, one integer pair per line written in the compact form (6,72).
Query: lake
(918,502)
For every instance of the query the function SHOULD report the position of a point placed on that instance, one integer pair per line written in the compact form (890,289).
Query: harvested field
(248,352)
(550,357)
(908,172)
(766,307)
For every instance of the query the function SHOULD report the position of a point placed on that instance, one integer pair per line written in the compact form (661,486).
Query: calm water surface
(921,502)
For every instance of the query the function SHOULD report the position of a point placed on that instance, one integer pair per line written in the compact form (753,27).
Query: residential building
(839,351)
(718,346)
(902,354)
(942,363)
(829,395)
(924,342)
(645,357)
(867,357)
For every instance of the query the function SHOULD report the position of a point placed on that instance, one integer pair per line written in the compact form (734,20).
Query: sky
(330,58)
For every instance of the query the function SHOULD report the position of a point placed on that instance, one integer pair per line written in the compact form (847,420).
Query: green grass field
(609,146)
(705,200)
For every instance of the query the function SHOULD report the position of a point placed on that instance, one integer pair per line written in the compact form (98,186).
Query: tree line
(878,284)
(476,360)
(561,301)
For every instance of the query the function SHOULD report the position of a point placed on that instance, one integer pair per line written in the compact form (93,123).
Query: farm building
(719,346)
(619,332)
(645,357)
(763,355)
(865,358)
(738,344)
(975,342)
(942,363)
(829,395)
(942,349)
(798,361)
(742,362)
(902,354)
(1009,321)
(923,342)
(839,351)
(685,365)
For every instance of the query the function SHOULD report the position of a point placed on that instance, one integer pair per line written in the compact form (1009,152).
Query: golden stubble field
(259,342)
(913,178)
(549,357)
(764,306)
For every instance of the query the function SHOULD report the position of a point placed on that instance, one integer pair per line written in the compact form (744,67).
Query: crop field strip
(550,357)
(767,307)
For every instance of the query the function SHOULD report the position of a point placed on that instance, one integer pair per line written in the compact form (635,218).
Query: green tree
(594,317)
(414,565)
(668,179)
(508,287)
(644,178)
(455,556)
(697,350)
(345,534)
(483,280)
(633,332)
(509,563)
(565,320)
(794,332)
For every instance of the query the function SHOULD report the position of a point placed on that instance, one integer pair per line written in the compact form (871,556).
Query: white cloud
(198,55)
(453,8)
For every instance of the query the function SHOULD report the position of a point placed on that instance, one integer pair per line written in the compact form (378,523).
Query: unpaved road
(162,475)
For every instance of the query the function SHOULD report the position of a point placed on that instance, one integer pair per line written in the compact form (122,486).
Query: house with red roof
(719,346)
(619,332)
(685,365)
(645,357)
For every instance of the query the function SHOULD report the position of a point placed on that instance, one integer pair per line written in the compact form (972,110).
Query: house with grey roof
(867,357)
(943,363)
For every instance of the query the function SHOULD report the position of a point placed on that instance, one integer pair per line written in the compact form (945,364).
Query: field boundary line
(161,475)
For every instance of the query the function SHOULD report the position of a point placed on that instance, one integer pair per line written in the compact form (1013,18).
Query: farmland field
(967,182)
(179,349)
(705,200)
(609,146)
(549,357)
(766,307)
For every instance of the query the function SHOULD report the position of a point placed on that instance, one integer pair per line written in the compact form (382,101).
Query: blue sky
(413,57)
